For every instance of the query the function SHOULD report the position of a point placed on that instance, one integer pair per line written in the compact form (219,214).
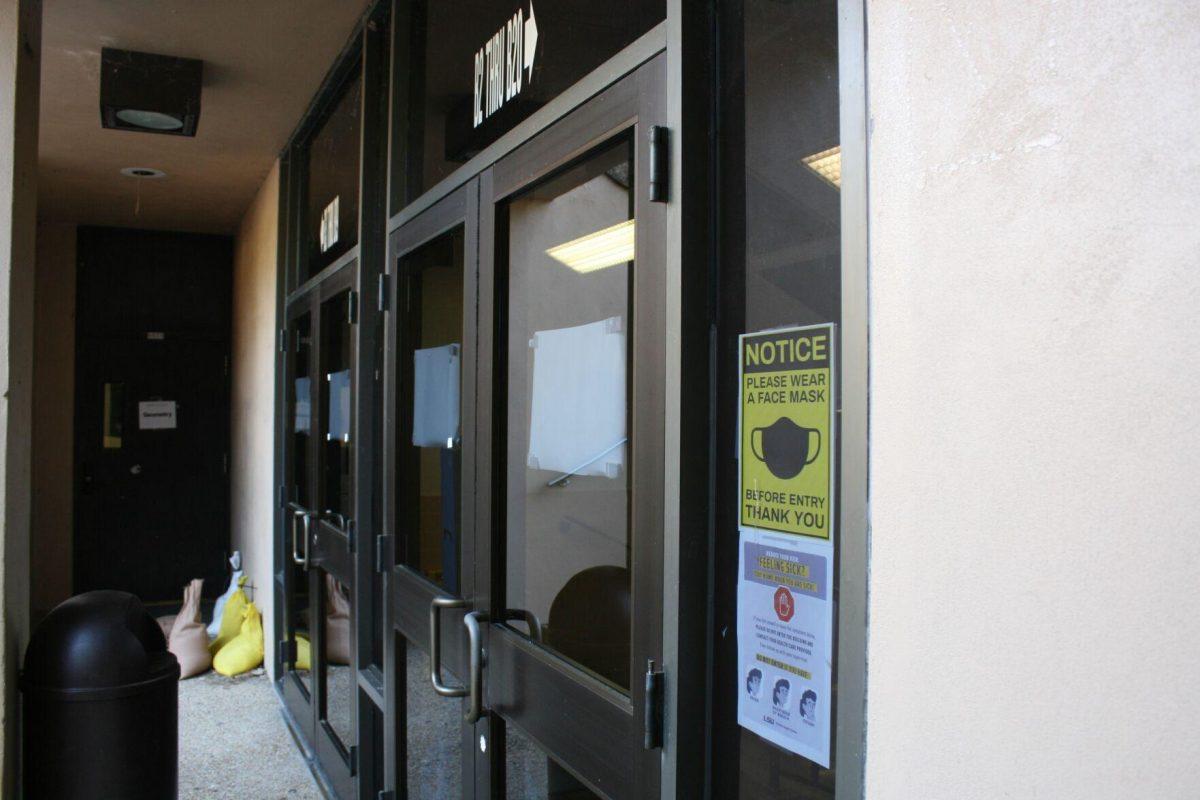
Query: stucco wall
(1035,319)
(53,417)
(253,397)
(20,49)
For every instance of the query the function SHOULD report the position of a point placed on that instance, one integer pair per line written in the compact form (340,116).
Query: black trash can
(101,712)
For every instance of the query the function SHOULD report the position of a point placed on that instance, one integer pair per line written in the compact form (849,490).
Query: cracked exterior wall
(1035,280)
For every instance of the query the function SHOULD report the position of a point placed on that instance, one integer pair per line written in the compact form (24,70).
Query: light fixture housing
(597,250)
(143,172)
(149,93)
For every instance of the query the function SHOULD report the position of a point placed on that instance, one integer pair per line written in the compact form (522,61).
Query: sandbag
(231,618)
(188,639)
(214,628)
(303,652)
(337,622)
(245,651)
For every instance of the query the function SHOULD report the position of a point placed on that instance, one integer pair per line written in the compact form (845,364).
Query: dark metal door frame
(344,550)
(296,695)
(409,595)
(326,544)
(607,754)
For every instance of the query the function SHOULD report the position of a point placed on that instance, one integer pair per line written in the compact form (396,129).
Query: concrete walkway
(233,742)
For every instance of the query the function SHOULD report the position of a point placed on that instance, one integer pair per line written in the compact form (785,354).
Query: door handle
(435,646)
(477,662)
(299,512)
(529,618)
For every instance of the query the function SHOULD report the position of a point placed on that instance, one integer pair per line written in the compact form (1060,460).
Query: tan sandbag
(188,639)
(337,623)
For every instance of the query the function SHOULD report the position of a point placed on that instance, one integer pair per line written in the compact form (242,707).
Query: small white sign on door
(156,415)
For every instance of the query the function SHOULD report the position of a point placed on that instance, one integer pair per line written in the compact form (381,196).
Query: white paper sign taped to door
(156,415)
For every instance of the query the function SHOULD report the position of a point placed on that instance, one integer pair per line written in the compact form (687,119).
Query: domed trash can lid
(97,644)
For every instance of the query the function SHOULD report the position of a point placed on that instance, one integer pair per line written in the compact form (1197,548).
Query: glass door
(318,653)
(331,566)
(571,452)
(429,480)
(523,470)
(299,496)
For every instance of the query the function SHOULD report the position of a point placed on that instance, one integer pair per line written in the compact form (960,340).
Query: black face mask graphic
(785,447)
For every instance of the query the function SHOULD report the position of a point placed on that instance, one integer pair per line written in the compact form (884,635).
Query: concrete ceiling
(263,61)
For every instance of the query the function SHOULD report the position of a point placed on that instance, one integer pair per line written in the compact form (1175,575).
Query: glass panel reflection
(336,405)
(530,774)
(429,451)
(340,688)
(433,733)
(299,416)
(331,192)
(448,118)
(782,268)
(567,535)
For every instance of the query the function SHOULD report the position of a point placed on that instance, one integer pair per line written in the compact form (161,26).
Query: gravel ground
(233,743)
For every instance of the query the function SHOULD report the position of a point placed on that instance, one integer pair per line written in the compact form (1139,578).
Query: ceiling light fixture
(597,250)
(149,93)
(827,164)
(149,119)
(143,172)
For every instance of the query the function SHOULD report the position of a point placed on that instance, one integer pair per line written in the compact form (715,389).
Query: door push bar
(474,690)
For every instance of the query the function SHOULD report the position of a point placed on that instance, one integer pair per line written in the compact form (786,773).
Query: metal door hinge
(652,729)
(660,164)
(287,651)
(352,307)
(383,553)
(351,528)
(353,760)
(282,496)
(283,340)
(383,291)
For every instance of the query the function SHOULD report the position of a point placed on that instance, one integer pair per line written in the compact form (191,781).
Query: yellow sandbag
(245,651)
(303,653)
(231,618)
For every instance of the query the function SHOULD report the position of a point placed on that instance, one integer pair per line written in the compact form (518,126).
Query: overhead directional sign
(502,63)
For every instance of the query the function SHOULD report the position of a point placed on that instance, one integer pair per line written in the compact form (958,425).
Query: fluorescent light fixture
(153,120)
(603,248)
(827,164)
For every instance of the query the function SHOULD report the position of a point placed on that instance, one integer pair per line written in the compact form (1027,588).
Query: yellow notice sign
(787,433)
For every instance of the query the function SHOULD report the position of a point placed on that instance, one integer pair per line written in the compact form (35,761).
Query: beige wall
(20,48)
(253,398)
(1035,324)
(54,417)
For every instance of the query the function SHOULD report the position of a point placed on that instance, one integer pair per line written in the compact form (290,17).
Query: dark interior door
(151,411)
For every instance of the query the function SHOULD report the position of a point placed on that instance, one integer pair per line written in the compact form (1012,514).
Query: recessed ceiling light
(143,172)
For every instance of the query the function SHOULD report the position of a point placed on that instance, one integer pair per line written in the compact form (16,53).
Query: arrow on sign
(530,40)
